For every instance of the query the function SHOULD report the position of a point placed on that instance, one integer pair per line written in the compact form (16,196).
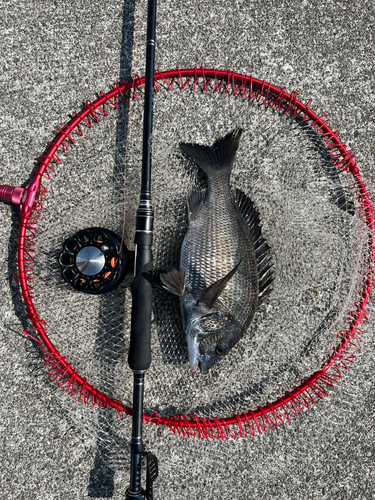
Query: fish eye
(220,350)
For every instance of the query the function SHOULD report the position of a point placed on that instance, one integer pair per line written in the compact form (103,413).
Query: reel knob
(93,262)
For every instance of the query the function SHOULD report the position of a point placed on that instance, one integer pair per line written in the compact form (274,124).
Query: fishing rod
(140,336)
(91,256)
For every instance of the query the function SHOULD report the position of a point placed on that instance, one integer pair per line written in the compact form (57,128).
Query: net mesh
(310,217)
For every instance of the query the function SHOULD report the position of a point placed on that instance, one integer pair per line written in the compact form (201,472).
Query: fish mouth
(196,359)
(197,365)
(203,366)
(194,366)
(193,352)
(200,365)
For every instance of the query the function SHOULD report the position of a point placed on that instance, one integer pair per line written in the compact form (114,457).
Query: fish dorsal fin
(219,157)
(211,293)
(194,204)
(250,218)
(174,281)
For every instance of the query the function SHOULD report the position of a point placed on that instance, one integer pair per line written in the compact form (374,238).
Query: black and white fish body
(225,264)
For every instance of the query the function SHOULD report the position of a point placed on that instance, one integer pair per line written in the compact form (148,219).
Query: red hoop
(292,403)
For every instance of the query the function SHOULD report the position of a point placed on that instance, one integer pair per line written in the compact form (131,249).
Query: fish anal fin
(195,201)
(174,281)
(211,293)
(250,218)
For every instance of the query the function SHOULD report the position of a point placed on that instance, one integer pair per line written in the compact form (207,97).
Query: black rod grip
(140,338)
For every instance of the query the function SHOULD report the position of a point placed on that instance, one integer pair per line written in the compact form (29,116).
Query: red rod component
(11,194)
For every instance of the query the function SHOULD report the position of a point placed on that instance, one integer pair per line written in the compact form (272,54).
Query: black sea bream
(225,268)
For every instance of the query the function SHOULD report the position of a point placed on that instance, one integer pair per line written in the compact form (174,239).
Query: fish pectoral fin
(195,201)
(211,293)
(174,281)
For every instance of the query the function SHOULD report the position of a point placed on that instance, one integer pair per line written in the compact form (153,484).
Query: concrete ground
(56,55)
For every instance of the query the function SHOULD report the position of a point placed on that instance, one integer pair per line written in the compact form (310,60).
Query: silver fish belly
(220,281)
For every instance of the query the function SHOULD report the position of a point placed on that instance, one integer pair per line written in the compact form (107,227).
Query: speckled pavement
(56,55)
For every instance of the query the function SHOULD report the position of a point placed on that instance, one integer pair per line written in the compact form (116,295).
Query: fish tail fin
(219,157)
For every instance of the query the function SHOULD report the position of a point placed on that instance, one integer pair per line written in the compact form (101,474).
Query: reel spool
(94,261)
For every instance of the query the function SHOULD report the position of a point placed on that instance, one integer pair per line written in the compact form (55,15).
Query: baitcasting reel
(94,261)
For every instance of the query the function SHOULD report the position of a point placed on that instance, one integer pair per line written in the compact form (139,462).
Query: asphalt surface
(55,56)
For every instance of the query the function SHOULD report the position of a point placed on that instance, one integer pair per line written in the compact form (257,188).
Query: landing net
(316,217)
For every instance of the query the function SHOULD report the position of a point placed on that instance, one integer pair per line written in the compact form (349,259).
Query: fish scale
(215,243)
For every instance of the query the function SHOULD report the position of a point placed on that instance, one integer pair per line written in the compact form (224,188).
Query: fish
(226,269)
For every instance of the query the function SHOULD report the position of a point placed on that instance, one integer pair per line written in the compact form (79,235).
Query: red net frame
(301,397)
